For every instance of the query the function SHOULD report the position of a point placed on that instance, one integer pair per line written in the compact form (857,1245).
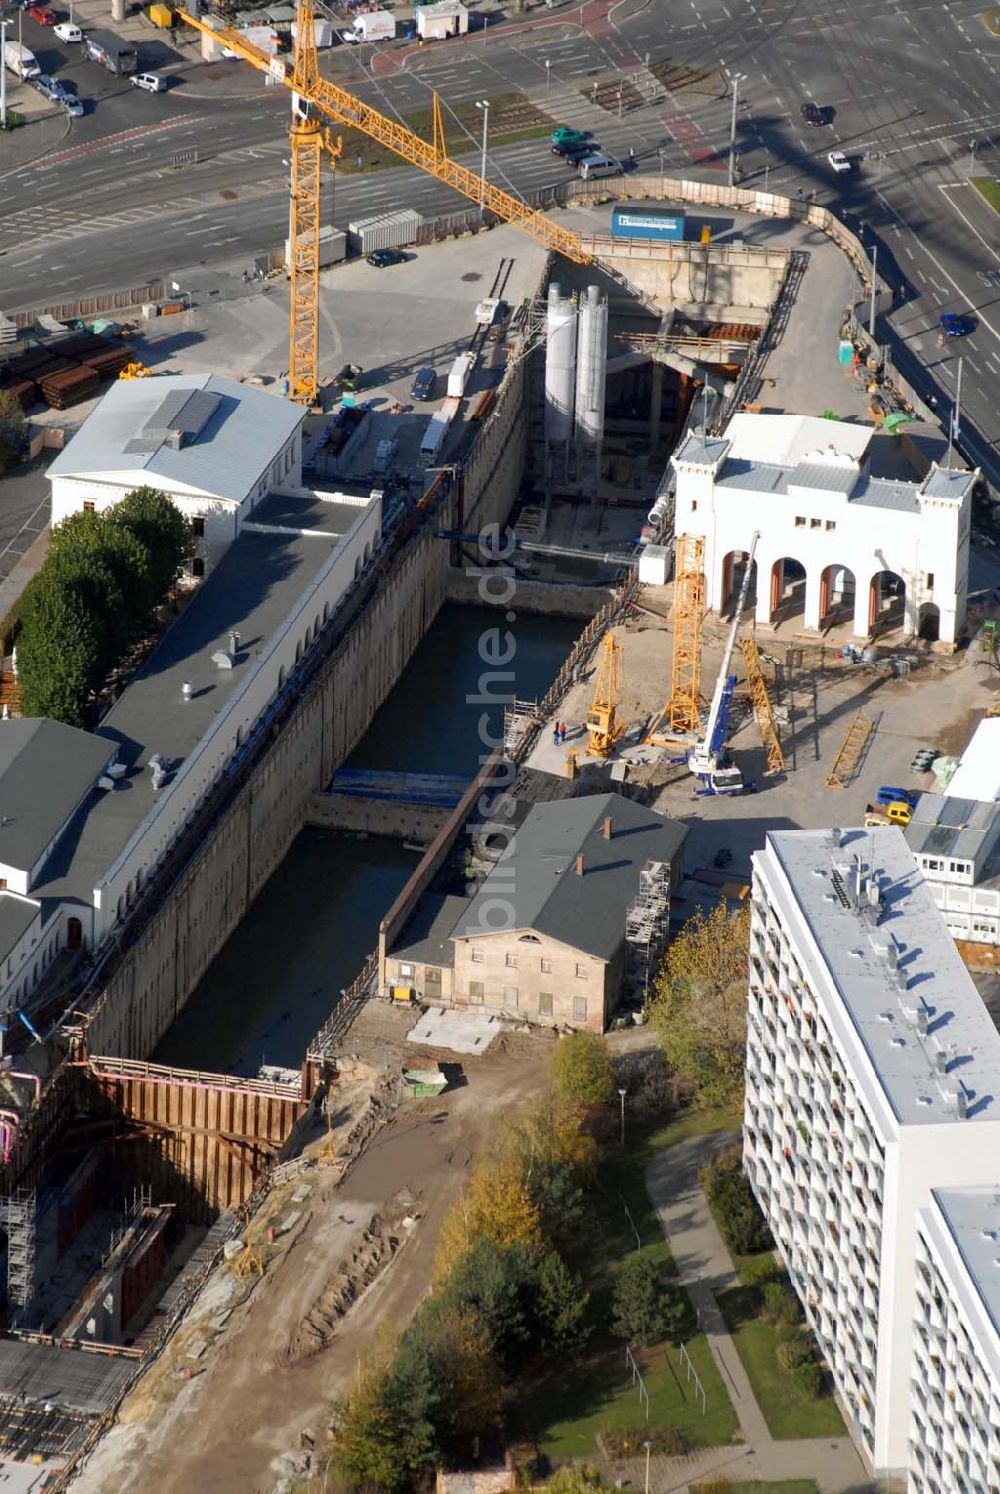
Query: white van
(150,82)
(593,166)
(67,32)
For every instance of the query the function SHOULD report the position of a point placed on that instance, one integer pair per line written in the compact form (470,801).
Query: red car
(42,14)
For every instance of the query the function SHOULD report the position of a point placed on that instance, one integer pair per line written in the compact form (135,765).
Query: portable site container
(640,222)
(120,58)
(385,231)
(332,248)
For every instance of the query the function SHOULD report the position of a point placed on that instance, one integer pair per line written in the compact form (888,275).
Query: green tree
(446,1370)
(561,1306)
(581,1070)
(116,548)
(699,1008)
(737,1211)
(369,1442)
(496,1286)
(72,634)
(13,430)
(162,529)
(639,1302)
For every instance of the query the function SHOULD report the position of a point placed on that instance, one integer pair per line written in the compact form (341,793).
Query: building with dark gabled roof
(544,937)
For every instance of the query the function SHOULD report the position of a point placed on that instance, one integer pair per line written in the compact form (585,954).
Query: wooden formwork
(197,1139)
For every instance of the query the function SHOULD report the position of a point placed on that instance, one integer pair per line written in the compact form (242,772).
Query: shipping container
(458,375)
(386,231)
(120,58)
(375,25)
(332,248)
(647,223)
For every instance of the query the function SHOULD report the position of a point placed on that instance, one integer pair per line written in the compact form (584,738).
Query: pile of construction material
(65,371)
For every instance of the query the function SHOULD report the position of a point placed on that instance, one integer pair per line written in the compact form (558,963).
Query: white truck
(374,26)
(21,61)
(458,375)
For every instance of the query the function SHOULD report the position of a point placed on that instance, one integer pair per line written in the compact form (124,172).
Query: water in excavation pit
(276,981)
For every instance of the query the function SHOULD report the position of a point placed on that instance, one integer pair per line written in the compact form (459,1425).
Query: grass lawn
(989,188)
(762,1486)
(597,1394)
(512,119)
(623,1187)
(695,1123)
(788,1413)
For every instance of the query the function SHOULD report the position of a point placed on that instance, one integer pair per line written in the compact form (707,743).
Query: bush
(794,1352)
(779,1304)
(761,1271)
(628,1442)
(581,1070)
(737,1211)
(808,1379)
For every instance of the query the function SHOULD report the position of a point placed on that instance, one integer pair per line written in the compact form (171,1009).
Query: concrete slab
(458,1032)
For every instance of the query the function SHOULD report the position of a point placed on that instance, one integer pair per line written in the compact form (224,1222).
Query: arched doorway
(886,601)
(788,589)
(929,622)
(74,933)
(733,570)
(836,596)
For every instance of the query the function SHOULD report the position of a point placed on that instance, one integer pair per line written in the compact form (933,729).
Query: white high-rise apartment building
(955,1384)
(873,1076)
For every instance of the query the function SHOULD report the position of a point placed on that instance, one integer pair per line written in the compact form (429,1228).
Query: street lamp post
(972,155)
(548,78)
(649,1448)
(871,304)
(484,105)
(661,153)
(621,1095)
(3,75)
(735,79)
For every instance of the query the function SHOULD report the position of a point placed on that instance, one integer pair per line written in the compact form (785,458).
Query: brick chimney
(579,866)
(609,827)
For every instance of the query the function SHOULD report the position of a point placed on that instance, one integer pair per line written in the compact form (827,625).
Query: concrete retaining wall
(540,597)
(357,816)
(156,976)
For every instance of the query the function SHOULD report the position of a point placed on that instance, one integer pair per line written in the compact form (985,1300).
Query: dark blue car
(952,324)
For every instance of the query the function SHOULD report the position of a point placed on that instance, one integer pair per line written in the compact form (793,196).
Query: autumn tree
(497,1286)
(581,1069)
(497,1207)
(372,1447)
(699,1007)
(13,430)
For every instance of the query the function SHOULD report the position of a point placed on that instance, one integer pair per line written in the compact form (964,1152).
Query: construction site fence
(103,304)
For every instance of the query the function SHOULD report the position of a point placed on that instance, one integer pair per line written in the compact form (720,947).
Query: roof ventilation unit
(222,659)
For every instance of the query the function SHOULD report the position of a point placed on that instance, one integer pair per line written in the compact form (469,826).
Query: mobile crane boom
(707,759)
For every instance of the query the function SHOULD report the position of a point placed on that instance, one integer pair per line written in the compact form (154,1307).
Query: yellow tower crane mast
(603,726)
(311,92)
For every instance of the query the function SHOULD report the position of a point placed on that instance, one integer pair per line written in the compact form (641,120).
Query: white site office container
(385,231)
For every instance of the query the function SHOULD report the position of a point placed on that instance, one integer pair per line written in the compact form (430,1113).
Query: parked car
(383,258)
(953,324)
(839,162)
(812,114)
(889,795)
(73,107)
(43,14)
(67,32)
(149,82)
(424,384)
(50,87)
(563,135)
(924,759)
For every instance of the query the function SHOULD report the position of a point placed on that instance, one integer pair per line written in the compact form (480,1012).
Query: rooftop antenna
(706,392)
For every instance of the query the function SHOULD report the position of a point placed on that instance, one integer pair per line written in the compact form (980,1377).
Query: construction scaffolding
(17,1215)
(647,925)
(519,718)
(761,702)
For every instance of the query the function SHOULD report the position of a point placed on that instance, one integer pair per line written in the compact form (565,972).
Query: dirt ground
(349,1262)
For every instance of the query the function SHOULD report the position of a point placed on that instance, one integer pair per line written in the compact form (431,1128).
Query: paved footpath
(705,1269)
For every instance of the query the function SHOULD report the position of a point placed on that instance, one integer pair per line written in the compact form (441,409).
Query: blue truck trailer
(638,221)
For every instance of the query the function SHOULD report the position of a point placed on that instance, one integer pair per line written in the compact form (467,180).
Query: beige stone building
(544,937)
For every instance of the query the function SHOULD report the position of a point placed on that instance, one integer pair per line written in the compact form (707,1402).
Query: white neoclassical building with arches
(844,538)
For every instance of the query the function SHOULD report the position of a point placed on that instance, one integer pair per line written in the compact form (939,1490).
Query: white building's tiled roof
(931,1044)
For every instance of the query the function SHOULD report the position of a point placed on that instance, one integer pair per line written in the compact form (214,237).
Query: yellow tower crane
(761,701)
(603,727)
(314,95)
(683,710)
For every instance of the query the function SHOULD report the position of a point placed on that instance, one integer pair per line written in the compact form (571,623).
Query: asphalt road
(909,89)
